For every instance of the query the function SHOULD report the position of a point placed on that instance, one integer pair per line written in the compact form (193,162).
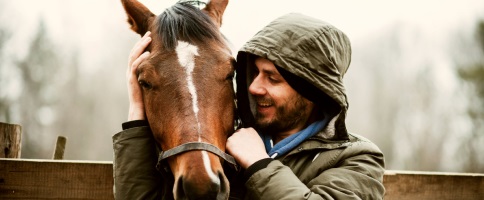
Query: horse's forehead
(186,53)
(209,58)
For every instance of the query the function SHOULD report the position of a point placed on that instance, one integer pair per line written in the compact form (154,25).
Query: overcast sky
(243,18)
(357,18)
(84,23)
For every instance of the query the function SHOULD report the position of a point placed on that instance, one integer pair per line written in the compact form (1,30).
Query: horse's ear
(139,17)
(215,9)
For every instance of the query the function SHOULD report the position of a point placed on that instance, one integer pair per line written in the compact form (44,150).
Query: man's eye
(273,80)
(144,84)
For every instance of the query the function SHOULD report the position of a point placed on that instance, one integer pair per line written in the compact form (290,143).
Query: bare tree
(472,75)
(4,75)
(39,73)
(4,102)
(408,112)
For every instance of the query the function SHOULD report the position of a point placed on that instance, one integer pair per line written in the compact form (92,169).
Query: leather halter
(190,146)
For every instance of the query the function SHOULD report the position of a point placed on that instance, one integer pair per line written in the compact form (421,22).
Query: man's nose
(256,88)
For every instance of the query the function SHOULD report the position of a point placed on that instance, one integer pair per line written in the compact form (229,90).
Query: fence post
(10,140)
(60,146)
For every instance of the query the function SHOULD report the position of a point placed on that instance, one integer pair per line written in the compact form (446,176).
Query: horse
(187,88)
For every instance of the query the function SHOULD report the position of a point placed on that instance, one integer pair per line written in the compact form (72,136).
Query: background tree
(4,103)
(472,75)
(39,72)
(401,102)
(4,83)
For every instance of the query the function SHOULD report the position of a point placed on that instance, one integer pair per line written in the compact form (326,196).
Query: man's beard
(287,116)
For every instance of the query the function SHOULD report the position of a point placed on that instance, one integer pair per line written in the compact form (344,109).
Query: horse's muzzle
(191,189)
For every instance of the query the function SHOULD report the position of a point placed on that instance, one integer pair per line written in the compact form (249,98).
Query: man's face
(278,107)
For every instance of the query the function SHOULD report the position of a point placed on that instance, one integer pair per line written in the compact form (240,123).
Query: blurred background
(415,85)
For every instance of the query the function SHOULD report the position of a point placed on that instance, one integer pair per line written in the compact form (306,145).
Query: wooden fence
(61,179)
(55,179)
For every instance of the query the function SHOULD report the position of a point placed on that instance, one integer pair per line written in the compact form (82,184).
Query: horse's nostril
(224,186)
(179,191)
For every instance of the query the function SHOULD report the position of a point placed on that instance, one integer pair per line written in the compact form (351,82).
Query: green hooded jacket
(333,164)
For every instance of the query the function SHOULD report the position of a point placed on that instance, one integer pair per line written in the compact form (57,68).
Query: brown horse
(188,93)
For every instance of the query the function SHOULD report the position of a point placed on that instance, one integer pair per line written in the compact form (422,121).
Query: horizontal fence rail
(53,179)
(433,185)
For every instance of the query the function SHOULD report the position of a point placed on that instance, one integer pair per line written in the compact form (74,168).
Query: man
(290,90)
(289,76)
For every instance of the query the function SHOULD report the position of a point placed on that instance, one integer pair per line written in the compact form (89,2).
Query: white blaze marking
(186,53)
(208,168)
(186,57)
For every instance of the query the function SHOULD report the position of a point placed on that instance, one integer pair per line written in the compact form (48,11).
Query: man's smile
(264,104)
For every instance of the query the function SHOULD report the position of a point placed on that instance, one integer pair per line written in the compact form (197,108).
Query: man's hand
(136,105)
(246,146)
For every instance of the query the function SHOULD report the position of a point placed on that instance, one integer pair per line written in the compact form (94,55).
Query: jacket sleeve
(357,173)
(134,166)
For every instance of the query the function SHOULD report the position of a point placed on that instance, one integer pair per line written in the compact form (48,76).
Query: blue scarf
(293,140)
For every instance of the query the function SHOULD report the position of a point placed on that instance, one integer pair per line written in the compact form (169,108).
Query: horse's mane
(184,21)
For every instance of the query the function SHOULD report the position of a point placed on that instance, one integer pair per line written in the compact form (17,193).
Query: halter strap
(190,146)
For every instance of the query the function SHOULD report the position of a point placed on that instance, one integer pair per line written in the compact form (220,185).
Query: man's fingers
(138,60)
(139,47)
(139,42)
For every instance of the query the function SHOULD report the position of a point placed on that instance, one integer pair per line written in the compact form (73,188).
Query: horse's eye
(145,84)
(230,77)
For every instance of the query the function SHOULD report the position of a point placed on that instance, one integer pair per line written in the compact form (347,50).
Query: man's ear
(215,9)
(139,17)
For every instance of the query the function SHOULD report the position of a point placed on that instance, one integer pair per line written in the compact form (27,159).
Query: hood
(309,48)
